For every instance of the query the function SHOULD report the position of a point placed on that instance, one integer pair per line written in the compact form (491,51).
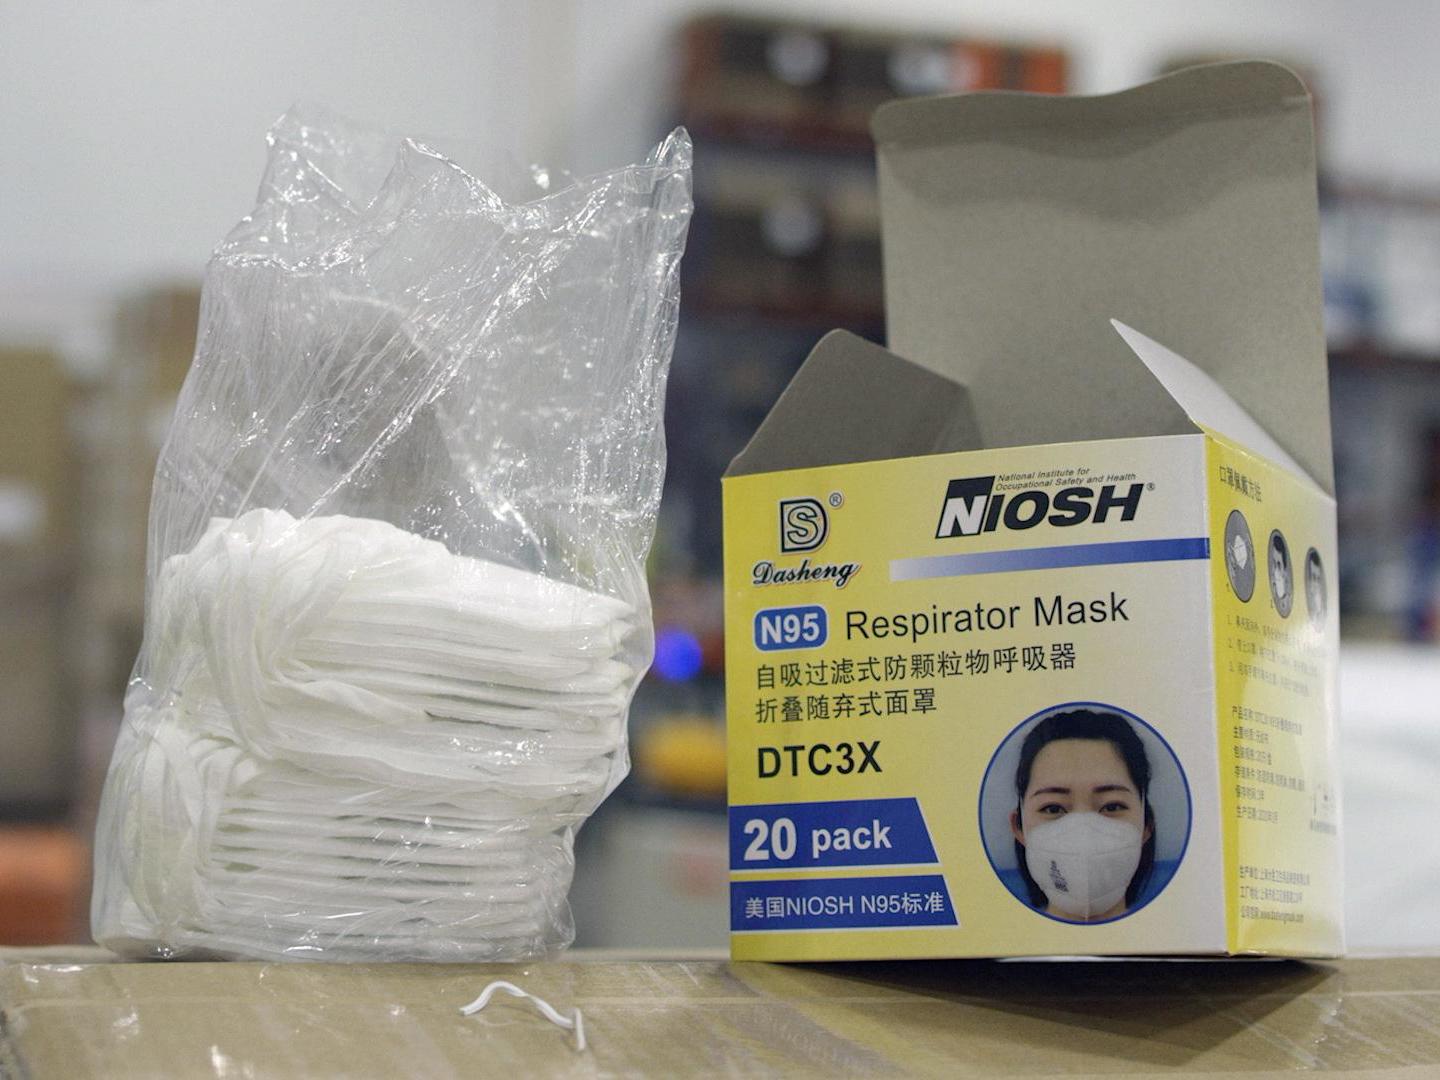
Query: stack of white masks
(372,747)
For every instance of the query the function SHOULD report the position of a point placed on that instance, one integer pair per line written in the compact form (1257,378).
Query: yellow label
(1276,628)
(895,633)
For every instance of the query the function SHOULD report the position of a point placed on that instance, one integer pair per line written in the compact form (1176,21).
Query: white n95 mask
(1083,862)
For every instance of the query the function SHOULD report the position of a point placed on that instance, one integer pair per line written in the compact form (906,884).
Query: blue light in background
(677,655)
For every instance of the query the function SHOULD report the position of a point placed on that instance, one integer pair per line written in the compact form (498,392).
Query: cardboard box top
(1017,226)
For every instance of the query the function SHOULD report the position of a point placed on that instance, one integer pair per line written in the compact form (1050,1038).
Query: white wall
(132,129)
(1390,798)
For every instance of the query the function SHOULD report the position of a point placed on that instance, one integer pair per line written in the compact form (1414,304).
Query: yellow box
(1031,635)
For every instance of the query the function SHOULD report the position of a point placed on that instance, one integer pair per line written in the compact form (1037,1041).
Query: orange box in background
(44,885)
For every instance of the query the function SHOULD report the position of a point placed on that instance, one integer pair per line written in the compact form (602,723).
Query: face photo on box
(1282,586)
(1085,813)
(1315,594)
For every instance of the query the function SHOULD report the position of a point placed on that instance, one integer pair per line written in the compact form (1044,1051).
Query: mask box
(1031,618)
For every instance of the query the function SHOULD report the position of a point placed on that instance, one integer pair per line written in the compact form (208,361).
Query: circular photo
(1085,813)
(1315,595)
(1282,577)
(1239,555)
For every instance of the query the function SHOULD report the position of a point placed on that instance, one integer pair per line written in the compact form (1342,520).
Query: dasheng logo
(803,525)
(973,506)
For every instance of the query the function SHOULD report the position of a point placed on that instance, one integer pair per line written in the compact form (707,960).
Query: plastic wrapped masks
(344,740)
(369,739)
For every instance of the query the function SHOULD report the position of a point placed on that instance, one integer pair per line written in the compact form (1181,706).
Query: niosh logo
(972,506)
(803,525)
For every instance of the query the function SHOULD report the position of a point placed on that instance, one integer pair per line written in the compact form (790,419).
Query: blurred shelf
(753,131)
(814,85)
(792,312)
(1373,357)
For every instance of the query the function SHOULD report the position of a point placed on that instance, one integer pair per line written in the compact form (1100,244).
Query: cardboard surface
(37,527)
(709,1017)
(1016,225)
(854,401)
(35,477)
(1206,402)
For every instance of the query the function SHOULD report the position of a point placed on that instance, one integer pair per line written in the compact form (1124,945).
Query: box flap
(1206,402)
(1016,225)
(854,401)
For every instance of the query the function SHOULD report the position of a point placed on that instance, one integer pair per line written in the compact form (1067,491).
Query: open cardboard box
(1031,622)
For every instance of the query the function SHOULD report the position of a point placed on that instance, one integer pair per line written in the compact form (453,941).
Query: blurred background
(134,139)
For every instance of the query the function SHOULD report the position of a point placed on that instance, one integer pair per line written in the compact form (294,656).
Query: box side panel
(1276,643)
(895,633)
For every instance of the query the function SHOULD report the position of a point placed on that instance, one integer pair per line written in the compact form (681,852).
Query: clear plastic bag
(396,606)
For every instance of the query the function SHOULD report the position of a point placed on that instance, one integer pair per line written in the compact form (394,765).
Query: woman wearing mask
(1084,830)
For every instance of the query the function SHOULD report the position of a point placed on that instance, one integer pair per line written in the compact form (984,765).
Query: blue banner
(849,832)
(840,903)
(1050,558)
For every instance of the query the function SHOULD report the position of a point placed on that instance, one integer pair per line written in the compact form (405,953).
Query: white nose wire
(574,1022)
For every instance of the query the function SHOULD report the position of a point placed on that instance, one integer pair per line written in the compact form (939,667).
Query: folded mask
(363,737)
